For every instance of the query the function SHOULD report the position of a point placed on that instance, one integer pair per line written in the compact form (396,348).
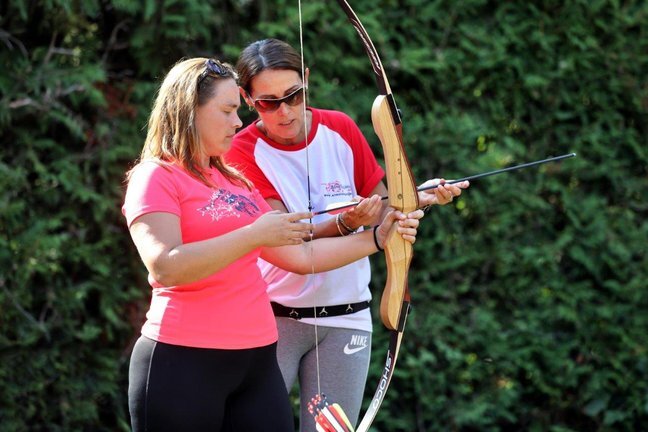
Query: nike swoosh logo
(349,351)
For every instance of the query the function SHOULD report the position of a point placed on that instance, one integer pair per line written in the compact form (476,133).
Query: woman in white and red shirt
(296,155)
(206,359)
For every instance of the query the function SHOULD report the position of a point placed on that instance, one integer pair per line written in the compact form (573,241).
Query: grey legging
(344,356)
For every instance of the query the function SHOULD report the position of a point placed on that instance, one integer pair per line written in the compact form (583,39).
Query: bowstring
(310,205)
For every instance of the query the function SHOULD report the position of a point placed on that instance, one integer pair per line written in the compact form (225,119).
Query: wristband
(376,239)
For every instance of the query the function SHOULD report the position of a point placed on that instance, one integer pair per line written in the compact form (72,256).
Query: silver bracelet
(345,226)
(337,224)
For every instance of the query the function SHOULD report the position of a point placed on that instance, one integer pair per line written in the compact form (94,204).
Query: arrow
(338,207)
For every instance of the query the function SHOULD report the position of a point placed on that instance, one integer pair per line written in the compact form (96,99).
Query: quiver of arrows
(328,417)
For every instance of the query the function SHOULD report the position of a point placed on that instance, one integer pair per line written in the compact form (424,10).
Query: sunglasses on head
(212,67)
(271,105)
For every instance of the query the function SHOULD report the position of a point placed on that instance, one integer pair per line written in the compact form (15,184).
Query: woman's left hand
(406,226)
(441,195)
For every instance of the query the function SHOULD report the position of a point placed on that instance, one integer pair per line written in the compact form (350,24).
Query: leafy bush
(529,291)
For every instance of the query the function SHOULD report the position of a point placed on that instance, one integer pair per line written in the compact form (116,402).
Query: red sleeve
(241,157)
(367,172)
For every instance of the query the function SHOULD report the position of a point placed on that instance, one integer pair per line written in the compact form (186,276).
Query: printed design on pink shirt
(336,188)
(224,203)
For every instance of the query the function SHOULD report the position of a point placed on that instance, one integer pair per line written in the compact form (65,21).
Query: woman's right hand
(365,213)
(277,228)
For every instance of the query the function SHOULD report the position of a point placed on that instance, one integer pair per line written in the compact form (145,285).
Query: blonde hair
(172,137)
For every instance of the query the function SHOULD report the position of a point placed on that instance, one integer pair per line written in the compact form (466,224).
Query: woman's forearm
(190,262)
(322,254)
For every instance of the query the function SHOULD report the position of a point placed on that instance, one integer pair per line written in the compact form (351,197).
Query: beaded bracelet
(376,239)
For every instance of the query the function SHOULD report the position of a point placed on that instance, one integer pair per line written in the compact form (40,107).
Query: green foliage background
(529,292)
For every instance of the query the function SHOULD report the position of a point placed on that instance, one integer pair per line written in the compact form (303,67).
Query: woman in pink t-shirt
(206,359)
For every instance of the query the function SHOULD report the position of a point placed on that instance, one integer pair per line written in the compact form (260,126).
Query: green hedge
(529,292)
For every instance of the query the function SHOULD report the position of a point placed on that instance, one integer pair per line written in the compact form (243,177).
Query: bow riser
(403,197)
(384,117)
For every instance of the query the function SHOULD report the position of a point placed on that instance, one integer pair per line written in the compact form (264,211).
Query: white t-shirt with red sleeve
(341,165)
(229,309)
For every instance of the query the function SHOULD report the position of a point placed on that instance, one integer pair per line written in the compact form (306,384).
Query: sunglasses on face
(271,105)
(212,67)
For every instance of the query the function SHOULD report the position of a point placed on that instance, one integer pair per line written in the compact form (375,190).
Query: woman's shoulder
(153,170)
(340,122)
(153,167)
(328,116)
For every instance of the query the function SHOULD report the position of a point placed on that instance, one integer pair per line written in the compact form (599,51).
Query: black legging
(176,388)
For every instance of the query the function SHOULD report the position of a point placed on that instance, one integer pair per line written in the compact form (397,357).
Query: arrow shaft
(503,170)
(469,178)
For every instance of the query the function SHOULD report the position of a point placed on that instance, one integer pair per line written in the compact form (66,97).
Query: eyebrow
(236,105)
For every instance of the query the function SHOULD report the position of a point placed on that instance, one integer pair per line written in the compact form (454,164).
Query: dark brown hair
(266,54)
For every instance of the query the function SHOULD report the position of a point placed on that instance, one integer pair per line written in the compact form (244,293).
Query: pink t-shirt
(229,309)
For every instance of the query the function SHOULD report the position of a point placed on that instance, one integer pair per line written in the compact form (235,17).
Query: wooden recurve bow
(403,196)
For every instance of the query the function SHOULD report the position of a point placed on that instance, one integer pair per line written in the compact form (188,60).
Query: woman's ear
(306,73)
(246,97)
